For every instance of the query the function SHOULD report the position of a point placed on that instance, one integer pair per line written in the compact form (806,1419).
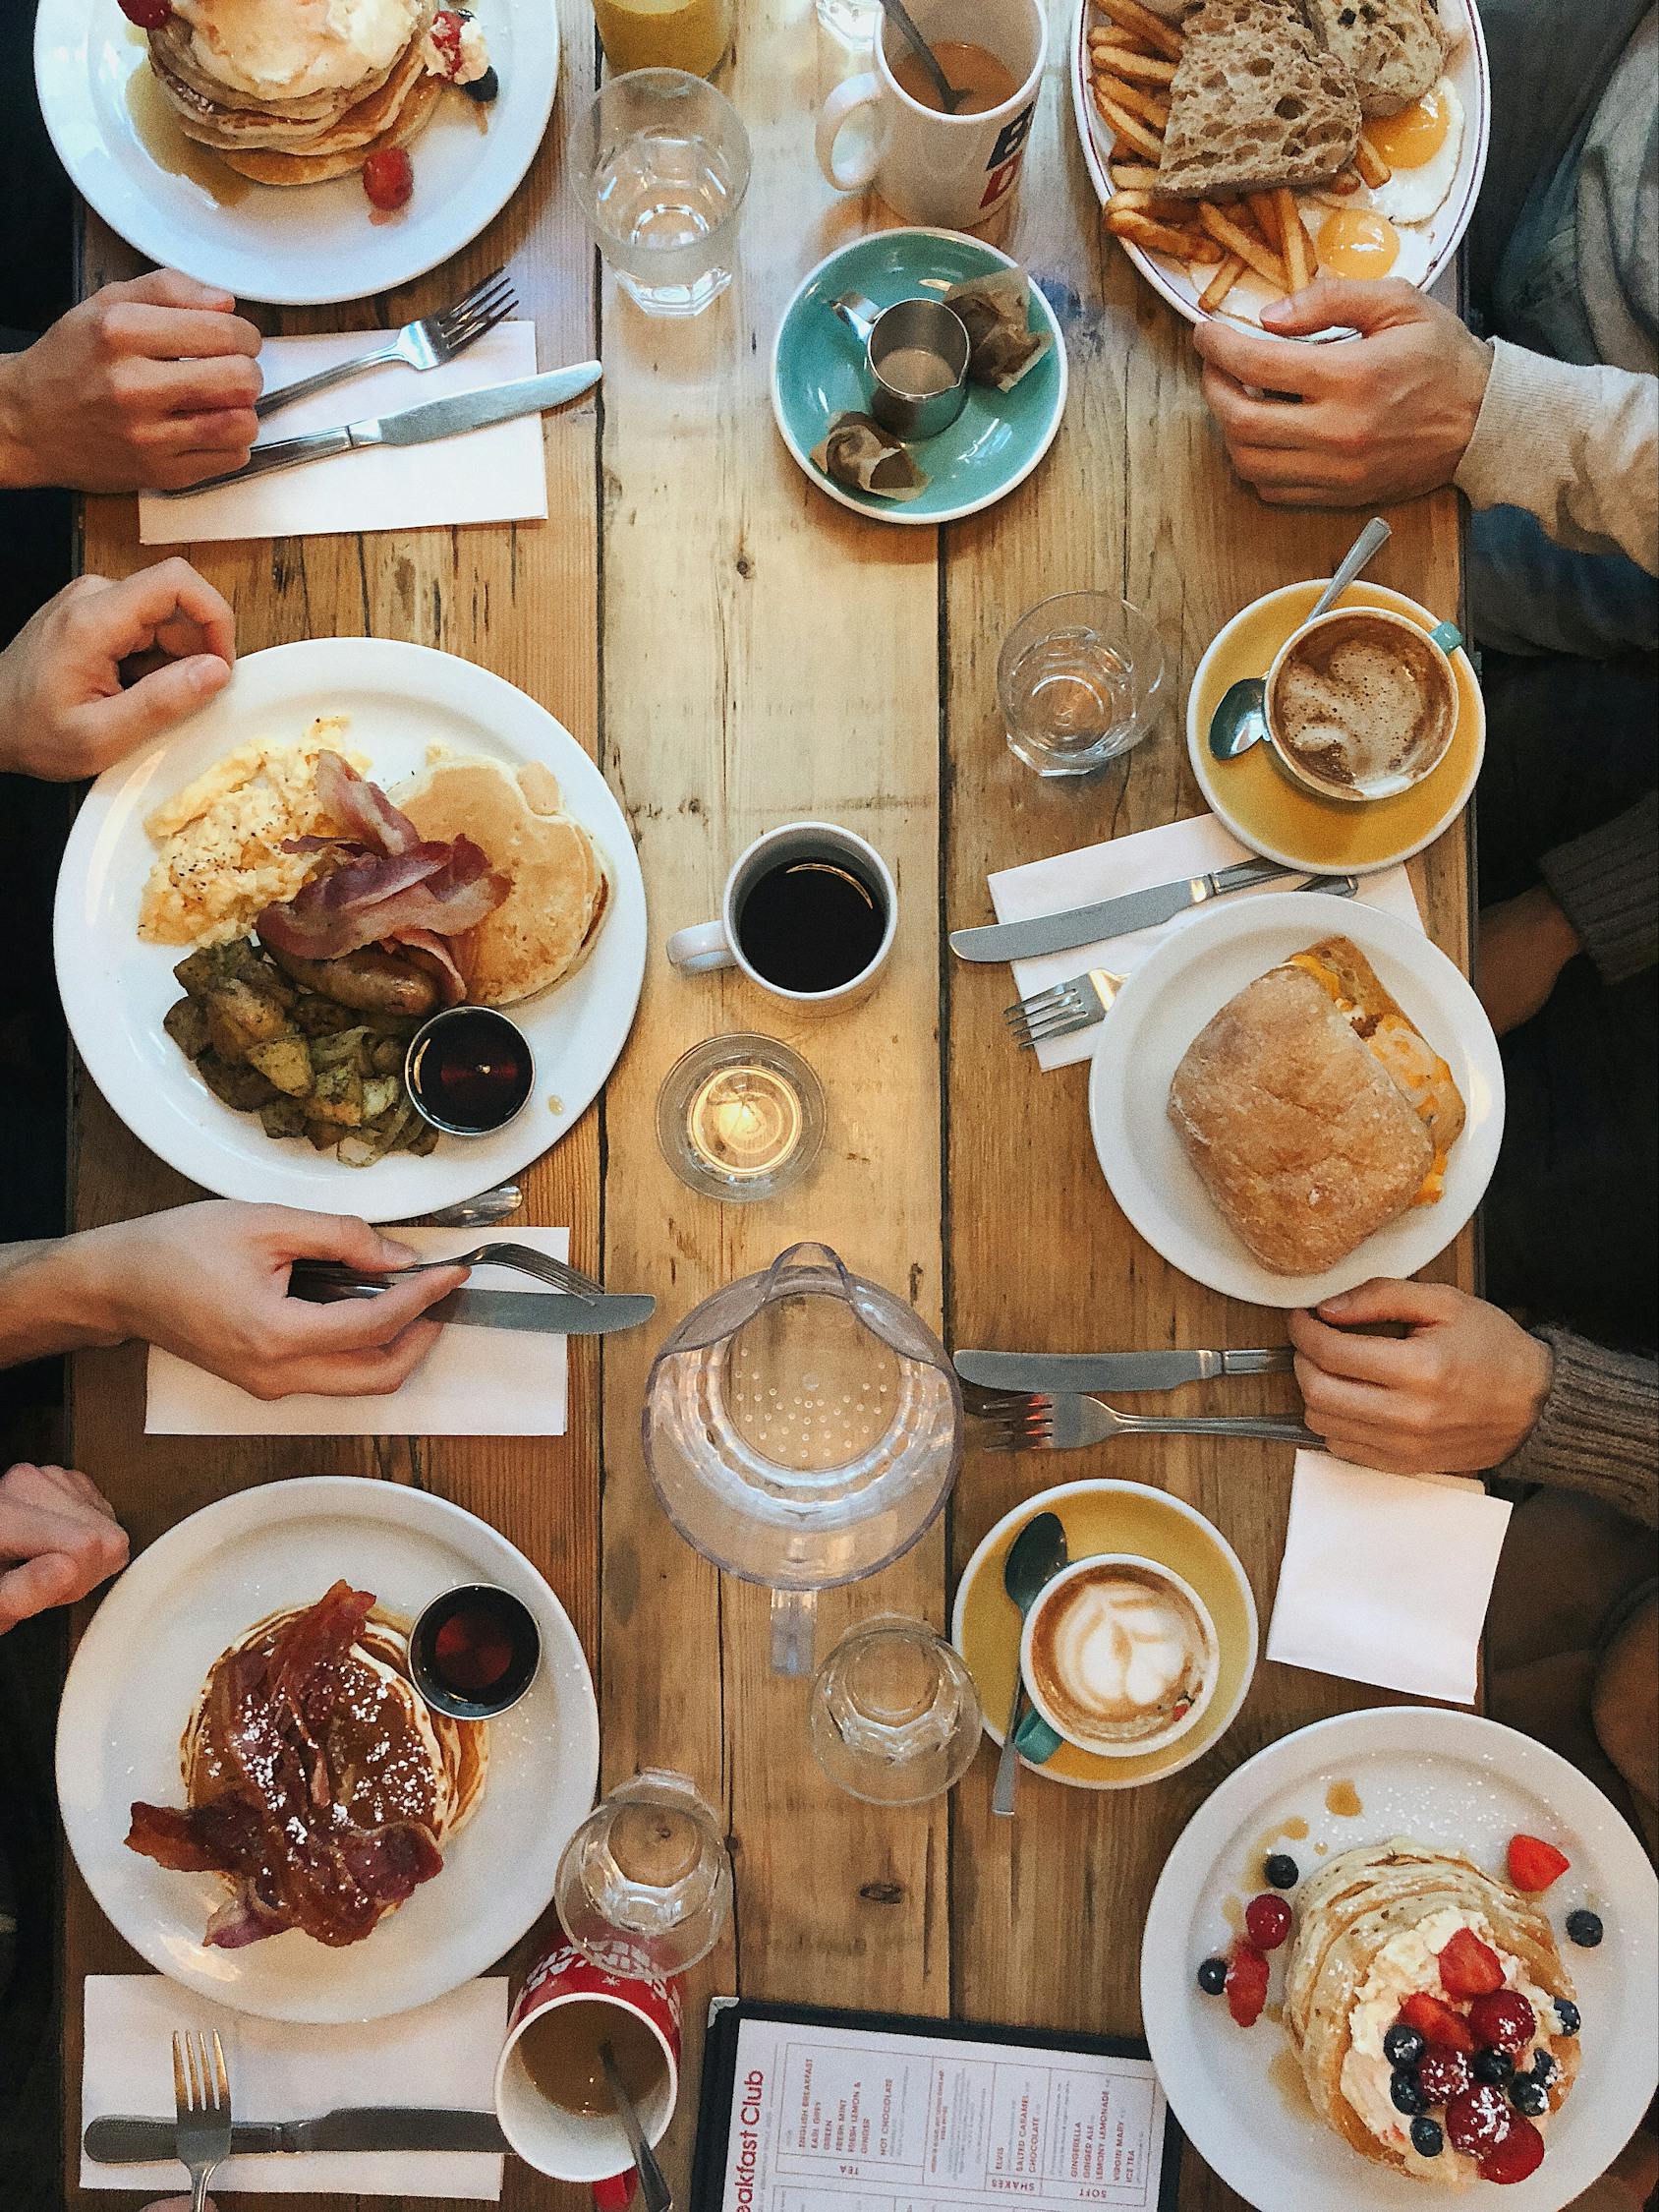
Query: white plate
(1170,998)
(116,988)
(294,245)
(139,1667)
(1426,249)
(1443,1778)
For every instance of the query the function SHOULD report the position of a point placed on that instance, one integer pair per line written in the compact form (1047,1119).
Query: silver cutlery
(201,2099)
(426,344)
(481,1212)
(1079,1003)
(123,2139)
(1110,917)
(416,426)
(1073,1372)
(1040,1423)
(524,1260)
(538,1312)
(655,2192)
(1240,717)
(950,95)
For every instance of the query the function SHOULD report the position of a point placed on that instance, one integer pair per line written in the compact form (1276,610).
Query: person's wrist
(20,470)
(1538,1372)
(1474,374)
(89,1285)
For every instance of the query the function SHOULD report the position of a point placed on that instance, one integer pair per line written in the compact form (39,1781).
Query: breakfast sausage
(369,981)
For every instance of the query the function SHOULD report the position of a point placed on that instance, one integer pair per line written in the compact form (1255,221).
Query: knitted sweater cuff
(1607,883)
(1599,1429)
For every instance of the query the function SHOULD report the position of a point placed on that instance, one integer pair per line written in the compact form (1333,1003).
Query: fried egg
(1421,145)
(1358,242)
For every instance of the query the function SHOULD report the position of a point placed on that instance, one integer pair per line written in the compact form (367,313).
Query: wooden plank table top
(737,650)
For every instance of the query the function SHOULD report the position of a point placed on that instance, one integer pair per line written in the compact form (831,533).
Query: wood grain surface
(738,651)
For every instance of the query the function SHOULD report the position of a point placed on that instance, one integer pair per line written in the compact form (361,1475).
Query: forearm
(56,1296)
(1599,1429)
(1576,447)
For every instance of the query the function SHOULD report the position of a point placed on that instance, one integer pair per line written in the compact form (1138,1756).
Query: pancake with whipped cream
(295,92)
(1370,1928)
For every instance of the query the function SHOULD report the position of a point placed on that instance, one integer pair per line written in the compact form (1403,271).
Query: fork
(334,1275)
(426,344)
(1065,1008)
(201,2099)
(1038,1422)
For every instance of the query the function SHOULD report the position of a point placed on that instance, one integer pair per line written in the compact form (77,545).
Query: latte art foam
(1362,703)
(1122,1655)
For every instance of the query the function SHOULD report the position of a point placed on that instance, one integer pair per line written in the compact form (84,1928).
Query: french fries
(1220,284)
(1131,129)
(1373,169)
(1130,176)
(1158,35)
(1116,61)
(1269,266)
(1265,208)
(1300,259)
(1155,237)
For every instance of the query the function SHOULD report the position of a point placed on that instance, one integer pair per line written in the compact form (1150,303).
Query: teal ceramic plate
(817,373)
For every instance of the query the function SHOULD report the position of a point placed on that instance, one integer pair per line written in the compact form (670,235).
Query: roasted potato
(285,1062)
(186,1023)
(237,1083)
(321,1018)
(337,1096)
(284,1117)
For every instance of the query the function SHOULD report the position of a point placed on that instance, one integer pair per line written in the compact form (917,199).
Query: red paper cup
(571,2146)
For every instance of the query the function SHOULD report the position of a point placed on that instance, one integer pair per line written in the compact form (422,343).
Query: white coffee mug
(717,944)
(1152,1571)
(953,171)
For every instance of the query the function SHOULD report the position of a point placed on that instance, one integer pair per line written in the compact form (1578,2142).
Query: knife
(416,426)
(1110,917)
(1113,1370)
(545,1313)
(123,2141)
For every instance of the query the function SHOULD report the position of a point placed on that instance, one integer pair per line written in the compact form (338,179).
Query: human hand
(209,1282)
(1521,950)
(1366,420)
(61,1531)
(1456,1395)
(65,712)
(147,386)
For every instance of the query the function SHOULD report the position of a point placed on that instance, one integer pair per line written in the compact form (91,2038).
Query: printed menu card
(831,2113)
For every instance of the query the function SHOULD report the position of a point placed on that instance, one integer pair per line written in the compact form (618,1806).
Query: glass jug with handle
(803,1428)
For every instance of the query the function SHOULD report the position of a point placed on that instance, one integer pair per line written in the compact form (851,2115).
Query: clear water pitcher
(802,1427)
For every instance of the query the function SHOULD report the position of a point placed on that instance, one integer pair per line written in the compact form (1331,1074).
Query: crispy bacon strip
(363,806)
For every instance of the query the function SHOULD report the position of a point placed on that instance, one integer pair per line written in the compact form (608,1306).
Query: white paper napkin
(1136,863)
(1387,1578)
(493,474)
(474,1383)
(443,2054)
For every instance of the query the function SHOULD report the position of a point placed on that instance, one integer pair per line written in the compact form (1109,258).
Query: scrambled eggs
(221,858)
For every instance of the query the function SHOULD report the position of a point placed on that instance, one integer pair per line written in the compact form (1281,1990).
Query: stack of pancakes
(1368,1927)
(294,91)
(390,1757)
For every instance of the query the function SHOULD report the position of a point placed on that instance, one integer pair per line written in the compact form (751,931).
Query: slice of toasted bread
(1395,49)
(1256,103)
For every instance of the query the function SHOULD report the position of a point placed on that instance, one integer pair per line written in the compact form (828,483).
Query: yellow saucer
(1276,817)
(1109,1516)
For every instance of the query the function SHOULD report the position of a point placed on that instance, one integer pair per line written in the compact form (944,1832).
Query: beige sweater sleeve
(1578,447)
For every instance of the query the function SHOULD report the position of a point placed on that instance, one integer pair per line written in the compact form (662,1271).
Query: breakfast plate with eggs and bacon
(1239,149)
(297,151)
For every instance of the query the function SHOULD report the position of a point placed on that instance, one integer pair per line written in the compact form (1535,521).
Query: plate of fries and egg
(1241,148)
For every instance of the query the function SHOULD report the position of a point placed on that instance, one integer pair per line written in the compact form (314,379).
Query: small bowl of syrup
(475,1652)
(469,1071)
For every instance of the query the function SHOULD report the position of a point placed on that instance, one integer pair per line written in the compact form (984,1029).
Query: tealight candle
(740,1117)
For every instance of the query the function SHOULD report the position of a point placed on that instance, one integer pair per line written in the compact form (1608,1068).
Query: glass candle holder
(646,1879)
(740,1118)
(659,162)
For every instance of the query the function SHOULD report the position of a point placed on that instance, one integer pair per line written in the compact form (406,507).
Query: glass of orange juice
(688,34)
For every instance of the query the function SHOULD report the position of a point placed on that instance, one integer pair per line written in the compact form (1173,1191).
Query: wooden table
(738,651)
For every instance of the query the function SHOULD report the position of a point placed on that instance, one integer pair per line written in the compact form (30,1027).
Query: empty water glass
(661,163)
(1081,680)
(895,1717)
(644,1882)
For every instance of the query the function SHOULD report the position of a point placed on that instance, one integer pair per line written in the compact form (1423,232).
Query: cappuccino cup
(1119,1656)
(1362,703)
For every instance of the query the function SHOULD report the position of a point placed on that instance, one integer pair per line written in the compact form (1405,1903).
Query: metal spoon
(653,2186)
(481,1212)
(941,84)
(1239,720)
(1038,1554)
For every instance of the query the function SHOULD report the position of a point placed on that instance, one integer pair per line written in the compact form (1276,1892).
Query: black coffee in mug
(812,922)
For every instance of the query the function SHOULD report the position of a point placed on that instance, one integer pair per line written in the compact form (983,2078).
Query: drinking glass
(1081,680)
(644,1882)
(661,163)
(692,35)
(894,1716)
(740,1118)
